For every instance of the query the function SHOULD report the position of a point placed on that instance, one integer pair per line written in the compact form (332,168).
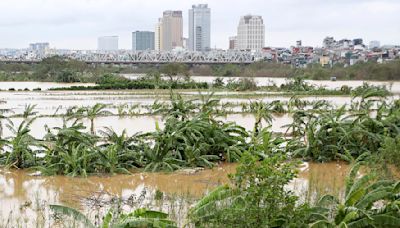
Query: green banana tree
(366,204)
(29,111)
(261,111)
(21,153)
(91,113)
(69,151)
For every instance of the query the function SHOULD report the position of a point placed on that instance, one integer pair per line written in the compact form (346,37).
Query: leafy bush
(115,218)
(257,197)
(390,151)
(242,84)
(367,203)
(218,82)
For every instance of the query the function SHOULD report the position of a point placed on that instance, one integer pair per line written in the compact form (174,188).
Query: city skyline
(77,24)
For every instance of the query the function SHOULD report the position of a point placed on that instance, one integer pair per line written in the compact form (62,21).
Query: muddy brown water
(41,85)
(20,192)
(137,124)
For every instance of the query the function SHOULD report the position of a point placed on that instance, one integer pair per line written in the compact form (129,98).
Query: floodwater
(51,102)
(21,192)
(36,85)
(48,102)
(140,124)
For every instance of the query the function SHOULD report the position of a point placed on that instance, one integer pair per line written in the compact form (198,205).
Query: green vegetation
(54,69)
(257,197)
(359,71)
(138,218)
(326,135)
(151,81)
(58,69)
(192,136)
(367,203)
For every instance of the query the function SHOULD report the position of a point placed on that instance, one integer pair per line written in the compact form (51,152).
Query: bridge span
(144,57)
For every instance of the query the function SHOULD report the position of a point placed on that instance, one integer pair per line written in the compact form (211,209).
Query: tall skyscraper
(171,30)
(251,33)
(200,28)
(107,43)
(158,36)
(142,40)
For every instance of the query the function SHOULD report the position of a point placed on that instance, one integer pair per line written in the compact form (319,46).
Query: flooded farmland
(25,195)
(21,193)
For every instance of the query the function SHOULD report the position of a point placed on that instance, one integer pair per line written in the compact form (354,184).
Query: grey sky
(76,24)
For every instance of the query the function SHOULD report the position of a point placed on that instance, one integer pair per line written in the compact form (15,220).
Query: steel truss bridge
(144,57)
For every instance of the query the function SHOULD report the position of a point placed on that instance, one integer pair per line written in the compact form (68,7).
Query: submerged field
(283,121)
(25,197)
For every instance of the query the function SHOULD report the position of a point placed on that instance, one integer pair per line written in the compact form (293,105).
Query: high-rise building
(142,40)
(232,42)
(358,41)
(374,44)
(251,33)
(158,36)
(171,30)
(107,43)
(200,28)
(39,47)
(328,42)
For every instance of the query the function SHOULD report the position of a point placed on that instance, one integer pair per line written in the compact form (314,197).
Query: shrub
(242,84)
(257,198)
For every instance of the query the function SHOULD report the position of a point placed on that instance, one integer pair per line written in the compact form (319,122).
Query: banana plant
(92,113)
(21,152)
(367,203)
(261,111)
(29,111)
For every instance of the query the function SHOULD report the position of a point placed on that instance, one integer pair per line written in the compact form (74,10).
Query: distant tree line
(58,69)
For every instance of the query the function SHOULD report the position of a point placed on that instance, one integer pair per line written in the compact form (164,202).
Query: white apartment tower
(200,28)
(251,33)
(158,36)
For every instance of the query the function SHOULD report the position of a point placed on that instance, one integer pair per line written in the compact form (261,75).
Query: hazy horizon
(76,24)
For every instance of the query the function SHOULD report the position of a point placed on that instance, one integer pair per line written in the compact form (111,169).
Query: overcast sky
(76,24)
